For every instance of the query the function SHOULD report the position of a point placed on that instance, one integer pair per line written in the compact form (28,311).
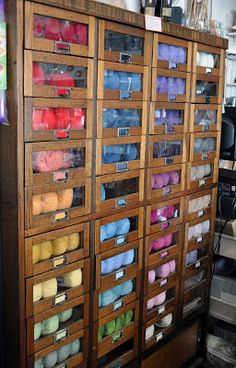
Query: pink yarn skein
(173,178)
(163,270)
(168,240)
(165,178)
(151,276)
(158,244)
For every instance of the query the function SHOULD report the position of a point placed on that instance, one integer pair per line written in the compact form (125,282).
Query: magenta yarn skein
(173,178)
(168,240)
(158,180)
(159,244)
(165,178)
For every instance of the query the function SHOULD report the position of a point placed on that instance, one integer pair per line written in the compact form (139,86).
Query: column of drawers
(58,90)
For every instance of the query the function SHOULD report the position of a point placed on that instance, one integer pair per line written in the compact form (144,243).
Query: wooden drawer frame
(197,128)
(206,211)
(205,182)
(202,240)
(62,297)
(75,361)
(103,169)
(123,131)
(121,240)
(162,283)
(52,218)
(104,282)
(162,333)
(63,332)
(202,293)
(116,94)
(46,45)
(212,50)
(194,272)
(162,161)
(160,38)
(176,129)
(47,91)
(164,254)
(162,308)
(60,134)
(99,313)
(211,155)
(60,176)
(56,261)
(168,191)
(158,72)
(154,228)
(207,99)
(123,201)
(116,56)
(127,332)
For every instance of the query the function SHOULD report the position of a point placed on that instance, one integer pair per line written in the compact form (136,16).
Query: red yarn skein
(77,119)
(82,34)
(52,29)
(49,119)
(63,118)
(37,119)
(61,80)
(38,74)
(68,32)
(38,25)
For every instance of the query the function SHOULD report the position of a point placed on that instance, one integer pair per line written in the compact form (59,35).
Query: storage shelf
(222,310)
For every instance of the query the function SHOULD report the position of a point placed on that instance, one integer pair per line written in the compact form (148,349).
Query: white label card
(159,337)
(153,23)
(119,274)
(161,309)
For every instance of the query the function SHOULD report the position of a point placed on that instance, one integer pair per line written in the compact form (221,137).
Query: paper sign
(153,23)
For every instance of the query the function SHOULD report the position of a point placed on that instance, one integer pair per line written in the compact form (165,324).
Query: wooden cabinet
(109,168)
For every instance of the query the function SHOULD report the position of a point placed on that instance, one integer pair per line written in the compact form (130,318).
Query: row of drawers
(58,120)
(64,32)
(72,78)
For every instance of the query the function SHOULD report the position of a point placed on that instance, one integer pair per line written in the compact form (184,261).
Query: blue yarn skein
(127,287)
(111,80)
(111,154)
(108,297)
(50,360)
(107,265)
(136,82)
(118,261)
(191,257)
(122,226)
(117,291)
(103,193)
(38,363)
(129,118)
(74,347)
(111,229)
(99,300)
(128,257)
(125,81)
(110,118)
(130,152)
(103,234)
(63,353)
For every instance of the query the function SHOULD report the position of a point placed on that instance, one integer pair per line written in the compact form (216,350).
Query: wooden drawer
(116,191)
(57,119)
(208,60)
(112,299)
(152,333)
(205,118)
(122,82)
(118,332)
(203,175)
(166,182)
(168,118)
(120,356)
(200,204)
(198,232)
(65,324)
(172,53)
(59,162)
(115,265)
(47,205)
(166,150)
(52,290)
(120,154)
(58,30)
(73,77)
(56,249)
(132,229)
(170,85)
(157,304)
(163,245)
(161,216)
(204,146)
(206,89)
(166,277)
(193,279)
(121,118)
(195,303)
(123,44)
(193,259)
(73,361)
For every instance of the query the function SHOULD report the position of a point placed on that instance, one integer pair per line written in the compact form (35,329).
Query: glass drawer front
(164,214)
(118,229)
(171,53)
(59,75)
(121,260)
(122,81)
(205,117)
(58,119)
(200,203)
(201,172)
(164,180)
(198,230)
(55,29)
(171,86)
(205,88)
(119,188)
(167,149)
(120,153)
(58,200)
(208,60)
(204,145)
(114,295)
(168,117)
(120,42)
(122,118)
(48,161)
(113,328)
(194,257)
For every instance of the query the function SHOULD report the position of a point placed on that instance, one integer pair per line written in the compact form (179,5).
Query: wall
(225,12)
